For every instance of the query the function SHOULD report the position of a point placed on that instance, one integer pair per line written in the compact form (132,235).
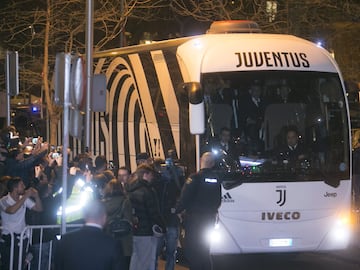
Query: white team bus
(178,94)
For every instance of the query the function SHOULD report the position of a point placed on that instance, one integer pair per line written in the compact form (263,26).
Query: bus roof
(239,52)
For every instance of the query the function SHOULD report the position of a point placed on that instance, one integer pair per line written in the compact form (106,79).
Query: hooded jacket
(119,205)
(145,205)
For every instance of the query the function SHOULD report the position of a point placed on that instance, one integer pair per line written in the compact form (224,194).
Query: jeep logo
(330,194)
(280,215)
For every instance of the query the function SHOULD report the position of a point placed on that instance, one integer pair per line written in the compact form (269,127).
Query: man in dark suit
(88,248)
(293,151)
(252,117)
(226,144)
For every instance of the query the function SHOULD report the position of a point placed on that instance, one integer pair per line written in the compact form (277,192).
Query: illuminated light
(211,180)
(215,151)
(58,192)
(80,182)
(58,236)
(319,44)
(85,196)
(198,44)
(341,232)
(34,109)
(233,26)
(281,242)
(59,211)
(88,189)
(69,209)
(245,162)
(213,234)
(332,53)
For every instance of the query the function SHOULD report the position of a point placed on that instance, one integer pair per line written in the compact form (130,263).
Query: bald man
(88,248)
(200,199)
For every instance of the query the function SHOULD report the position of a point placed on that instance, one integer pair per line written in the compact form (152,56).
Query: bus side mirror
(196,107)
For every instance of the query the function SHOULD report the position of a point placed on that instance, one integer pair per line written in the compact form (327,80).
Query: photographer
(168,187)
(41,241)
(17,164)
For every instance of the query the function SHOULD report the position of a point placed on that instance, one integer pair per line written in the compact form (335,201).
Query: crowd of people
(130,218)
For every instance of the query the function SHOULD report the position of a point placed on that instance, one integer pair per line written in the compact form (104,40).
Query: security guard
(200,199)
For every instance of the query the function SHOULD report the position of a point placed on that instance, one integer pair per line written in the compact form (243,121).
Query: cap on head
(142,156)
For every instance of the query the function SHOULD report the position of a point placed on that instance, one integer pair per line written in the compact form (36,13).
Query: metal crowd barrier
(26,238)
(12,250)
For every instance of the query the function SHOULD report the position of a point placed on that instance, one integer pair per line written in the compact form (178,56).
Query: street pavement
(337,260)
(177,267)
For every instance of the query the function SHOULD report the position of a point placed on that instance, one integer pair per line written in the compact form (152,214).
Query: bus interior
(260,109)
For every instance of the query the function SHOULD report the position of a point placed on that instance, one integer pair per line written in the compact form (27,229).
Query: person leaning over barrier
(13,207)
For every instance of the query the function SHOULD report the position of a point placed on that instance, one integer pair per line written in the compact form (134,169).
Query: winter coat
(145,205)
(120,206)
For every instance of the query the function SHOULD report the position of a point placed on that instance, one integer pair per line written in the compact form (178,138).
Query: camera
(55,155)
(35,140)
(13,135)
(12,141)
(111,165)
(169,162)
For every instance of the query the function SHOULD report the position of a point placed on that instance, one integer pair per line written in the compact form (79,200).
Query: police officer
(200,199)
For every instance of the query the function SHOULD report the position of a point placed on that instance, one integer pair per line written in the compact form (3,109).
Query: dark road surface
(340,260)
(299,261)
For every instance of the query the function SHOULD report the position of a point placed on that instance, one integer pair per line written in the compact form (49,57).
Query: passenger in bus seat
(284,93)
(227,95)
(293,151)
(252,118)
(225,144)
(222,94)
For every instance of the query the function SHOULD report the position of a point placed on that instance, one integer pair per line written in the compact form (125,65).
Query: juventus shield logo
(282,196)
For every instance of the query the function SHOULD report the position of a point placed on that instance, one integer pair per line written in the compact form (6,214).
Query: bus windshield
(269,126)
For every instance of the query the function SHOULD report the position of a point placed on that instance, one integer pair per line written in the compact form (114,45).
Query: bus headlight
(213,234)
(341,230)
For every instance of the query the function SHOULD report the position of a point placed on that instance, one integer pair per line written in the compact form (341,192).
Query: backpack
(119,227)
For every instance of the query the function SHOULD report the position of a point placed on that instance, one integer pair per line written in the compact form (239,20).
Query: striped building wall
(147,111)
